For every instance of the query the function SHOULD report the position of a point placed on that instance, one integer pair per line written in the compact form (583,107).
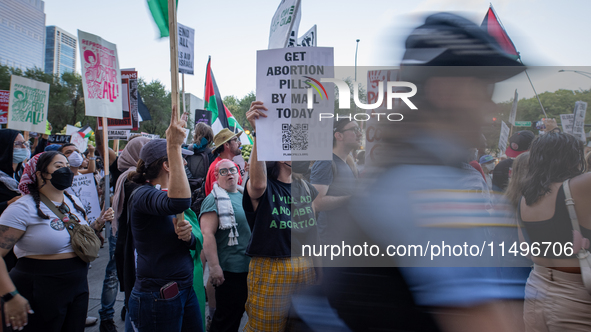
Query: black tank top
(556,229)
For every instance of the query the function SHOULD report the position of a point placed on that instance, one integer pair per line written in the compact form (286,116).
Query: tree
(157,100)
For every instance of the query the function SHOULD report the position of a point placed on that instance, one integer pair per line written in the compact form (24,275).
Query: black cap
(519,143)
(450,40)
(156,149)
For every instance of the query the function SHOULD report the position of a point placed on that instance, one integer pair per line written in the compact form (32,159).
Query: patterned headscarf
(29,176)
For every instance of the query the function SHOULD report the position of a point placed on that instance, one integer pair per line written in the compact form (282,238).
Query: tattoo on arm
(7,241)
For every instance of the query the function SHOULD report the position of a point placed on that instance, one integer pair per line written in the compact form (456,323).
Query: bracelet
(92,158)
(9,296)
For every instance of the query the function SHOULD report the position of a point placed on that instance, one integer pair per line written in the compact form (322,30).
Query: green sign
(522,123)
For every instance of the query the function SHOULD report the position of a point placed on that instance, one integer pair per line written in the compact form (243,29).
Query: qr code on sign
(294,136)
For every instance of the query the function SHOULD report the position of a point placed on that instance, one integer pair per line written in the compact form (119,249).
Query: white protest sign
(293,36)
(77,139)
(513,109)
(504,137)
(150,136)
(309,39)
(292,131)
(567,121)
(101,77)
(187,131)
(186,50)
(118,134)
(84,188)
(282,23)
(579,118)
(27,105)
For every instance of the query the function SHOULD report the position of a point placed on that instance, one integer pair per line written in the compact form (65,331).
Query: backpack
(197,167)
(197,197)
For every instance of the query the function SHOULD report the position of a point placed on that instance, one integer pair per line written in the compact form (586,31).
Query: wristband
(9,296)
(91,158)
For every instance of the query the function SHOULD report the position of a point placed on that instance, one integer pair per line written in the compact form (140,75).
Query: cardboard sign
(504,137)
(84,188)
(130,103)
(288,82)
(28,103)
(59,139)
(118,134)
(101,78)
(186,49)
(4,101)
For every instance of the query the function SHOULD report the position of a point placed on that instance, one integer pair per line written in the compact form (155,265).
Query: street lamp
(356,48)
(584,73)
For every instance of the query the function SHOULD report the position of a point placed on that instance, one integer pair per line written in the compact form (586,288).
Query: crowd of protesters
(180,212)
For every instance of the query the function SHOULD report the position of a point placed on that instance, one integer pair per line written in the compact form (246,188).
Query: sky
(545,32)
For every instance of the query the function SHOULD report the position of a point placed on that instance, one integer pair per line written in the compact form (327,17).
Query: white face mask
(75,159)
(490,166)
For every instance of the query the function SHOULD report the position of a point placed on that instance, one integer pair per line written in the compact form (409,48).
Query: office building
(22,33)
(60,51)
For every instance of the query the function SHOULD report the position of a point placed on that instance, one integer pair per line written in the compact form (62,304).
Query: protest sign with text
(282,23)
(567,121)
(118,134)
(84,188)
(130,120)
(28,103)
(78,140)
(101,78)
(4,101)
(504,137)
(60,139)
(292,130)
(579,120)
(186,49)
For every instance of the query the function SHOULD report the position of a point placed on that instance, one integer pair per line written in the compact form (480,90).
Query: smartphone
(169,290)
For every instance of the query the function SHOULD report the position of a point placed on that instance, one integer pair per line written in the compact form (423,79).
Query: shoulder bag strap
(52,206)
(570,205)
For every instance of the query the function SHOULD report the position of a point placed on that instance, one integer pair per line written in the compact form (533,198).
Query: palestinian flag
(492,25)
(221,117)
(159,10)
(85,132)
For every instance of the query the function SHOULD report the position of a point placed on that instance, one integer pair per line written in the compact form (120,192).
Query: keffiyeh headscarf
(29,176)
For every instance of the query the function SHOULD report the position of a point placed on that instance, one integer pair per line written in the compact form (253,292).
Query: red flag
(493,27)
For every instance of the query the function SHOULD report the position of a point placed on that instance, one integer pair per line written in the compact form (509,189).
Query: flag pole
(174,65)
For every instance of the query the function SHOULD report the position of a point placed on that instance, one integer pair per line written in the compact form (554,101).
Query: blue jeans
(110,284)
(147,312)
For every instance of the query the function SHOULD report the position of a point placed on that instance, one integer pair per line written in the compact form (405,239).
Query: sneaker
(207,323)
(108,325)
(90,321)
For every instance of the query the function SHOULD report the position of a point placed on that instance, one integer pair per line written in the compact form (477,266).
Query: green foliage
(555,103)
(239,107)
(157,100)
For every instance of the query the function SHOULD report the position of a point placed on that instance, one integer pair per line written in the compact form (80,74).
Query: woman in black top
(555,296)
(14,151)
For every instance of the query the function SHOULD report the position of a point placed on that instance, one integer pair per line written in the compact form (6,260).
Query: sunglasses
(226,171)
(23,144)
(65,209)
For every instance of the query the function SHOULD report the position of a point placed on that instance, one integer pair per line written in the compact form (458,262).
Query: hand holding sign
(255,111)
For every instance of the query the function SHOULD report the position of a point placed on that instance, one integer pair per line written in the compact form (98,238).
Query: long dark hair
(42,164)
(553,157)
(143,173)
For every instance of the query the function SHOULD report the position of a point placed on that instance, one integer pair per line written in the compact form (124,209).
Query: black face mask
(62,178)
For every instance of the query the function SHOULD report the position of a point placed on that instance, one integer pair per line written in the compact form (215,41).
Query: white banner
(118,134)
(286,79)
(293,36)
(101,77)
(309,38)
(27,104)
(186,40)
(84,188)
(504,137)
(579,124)
(77,139)
(282,23)
(513,109)
(567,121)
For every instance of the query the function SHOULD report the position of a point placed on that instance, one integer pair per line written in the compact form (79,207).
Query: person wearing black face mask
(47,290)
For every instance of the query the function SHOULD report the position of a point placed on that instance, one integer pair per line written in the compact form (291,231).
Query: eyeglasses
(65,209)
(231,170)
(22,144)
(357,130)
(235,139)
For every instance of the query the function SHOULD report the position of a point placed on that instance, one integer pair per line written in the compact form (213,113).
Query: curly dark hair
(143,173)
(553,157)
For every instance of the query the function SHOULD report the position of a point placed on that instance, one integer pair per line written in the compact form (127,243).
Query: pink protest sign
(4,98)
(101,77)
